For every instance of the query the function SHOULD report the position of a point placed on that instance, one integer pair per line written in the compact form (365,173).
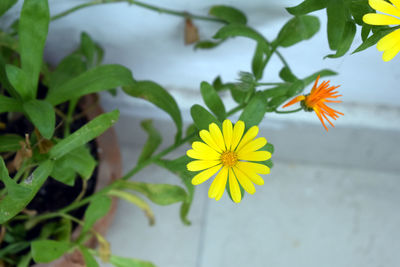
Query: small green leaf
(373,39)
(161,194)
(45,251)
(97,209)
(4,80)
(6,5)
(14,190)
(254,112)
(238,95)
(228,14)
(201,117)
(322,73)
(337,17)
(10,142)
(19,80)
(358,9)
(25,260)
(10,206)
(206,44)
(88,48)
(94,80)
(129,262)
(90,261)
(32,32)
(160,97)
(287,75)
(63,173)
(70,67)
(307,6)
(347,40)
(258,62)
(178,167)
(135,200)
(239,30)
(42,115)
(212,100)
(298,29)
(14,248)
(153,141)
(365,30)
(63,230)
(85,134)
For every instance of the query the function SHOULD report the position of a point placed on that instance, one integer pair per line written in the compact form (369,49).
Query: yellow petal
(198,165)
(237,134)
(253,145)
(380,19)
(205,149)
(218,184)
(244,181)
(255,156)
(384,7)
(205,175)
(391,53)
(216,134)
(388,41)
(396,3)
(252,167)
(234,187)
(248,136)
(227,131)
(206,137)
(202,155)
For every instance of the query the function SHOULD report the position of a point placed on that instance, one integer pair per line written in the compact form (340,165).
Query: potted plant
(53,196)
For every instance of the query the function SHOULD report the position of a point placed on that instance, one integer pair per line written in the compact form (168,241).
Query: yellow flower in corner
(389,44)
(315,101)
(230,154)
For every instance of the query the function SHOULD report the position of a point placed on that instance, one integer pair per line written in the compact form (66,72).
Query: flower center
(306,104)
(229,158)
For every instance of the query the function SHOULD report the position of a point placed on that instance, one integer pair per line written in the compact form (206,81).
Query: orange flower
(315,101)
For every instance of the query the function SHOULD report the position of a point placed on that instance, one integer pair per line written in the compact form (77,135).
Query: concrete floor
(330,200)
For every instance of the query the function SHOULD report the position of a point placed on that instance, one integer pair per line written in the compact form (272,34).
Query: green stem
(260,84)
(140,4)
(69,118)
(289,111)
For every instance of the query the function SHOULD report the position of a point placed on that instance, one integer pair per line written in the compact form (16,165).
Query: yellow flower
(315,101)
(390,43)
(230,154)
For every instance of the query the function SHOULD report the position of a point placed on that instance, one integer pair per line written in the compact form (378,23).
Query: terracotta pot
(109,169)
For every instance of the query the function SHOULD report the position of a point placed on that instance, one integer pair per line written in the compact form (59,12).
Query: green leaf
(14,190)
(32,32)
(254,112)
(19,80)
(323,73)
(228,14)
(153,141)
(207,44)
(336,13)
(238,95)
(25,260)
(160,97)
(42,115)
(14,248)
(85,134)
(10,142)
(373,39)
(90,261)
(6,5)
(365,30)
(257,63)
(64,230)
(10,206)
(178,167)
(135,200)
(297,29)
(88,48)
(239,30)
(307,6)
(212,100)
(70,67)
(161,194)
(45,251)
(201,117)
(287,75)
(4,80)
(97,209)
(129,262)
(358,9)
(347,40)
(63,173)
(94,80)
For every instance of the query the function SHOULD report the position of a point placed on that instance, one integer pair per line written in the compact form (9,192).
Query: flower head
(230,154)
(389,44)
(315,101)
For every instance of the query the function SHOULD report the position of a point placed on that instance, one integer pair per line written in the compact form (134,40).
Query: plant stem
(289,111)
(258,84)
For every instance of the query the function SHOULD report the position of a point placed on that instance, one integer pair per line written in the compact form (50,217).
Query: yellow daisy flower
(389,44)
(230,154)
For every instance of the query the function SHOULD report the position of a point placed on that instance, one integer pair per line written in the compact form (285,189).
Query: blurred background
(331,198)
